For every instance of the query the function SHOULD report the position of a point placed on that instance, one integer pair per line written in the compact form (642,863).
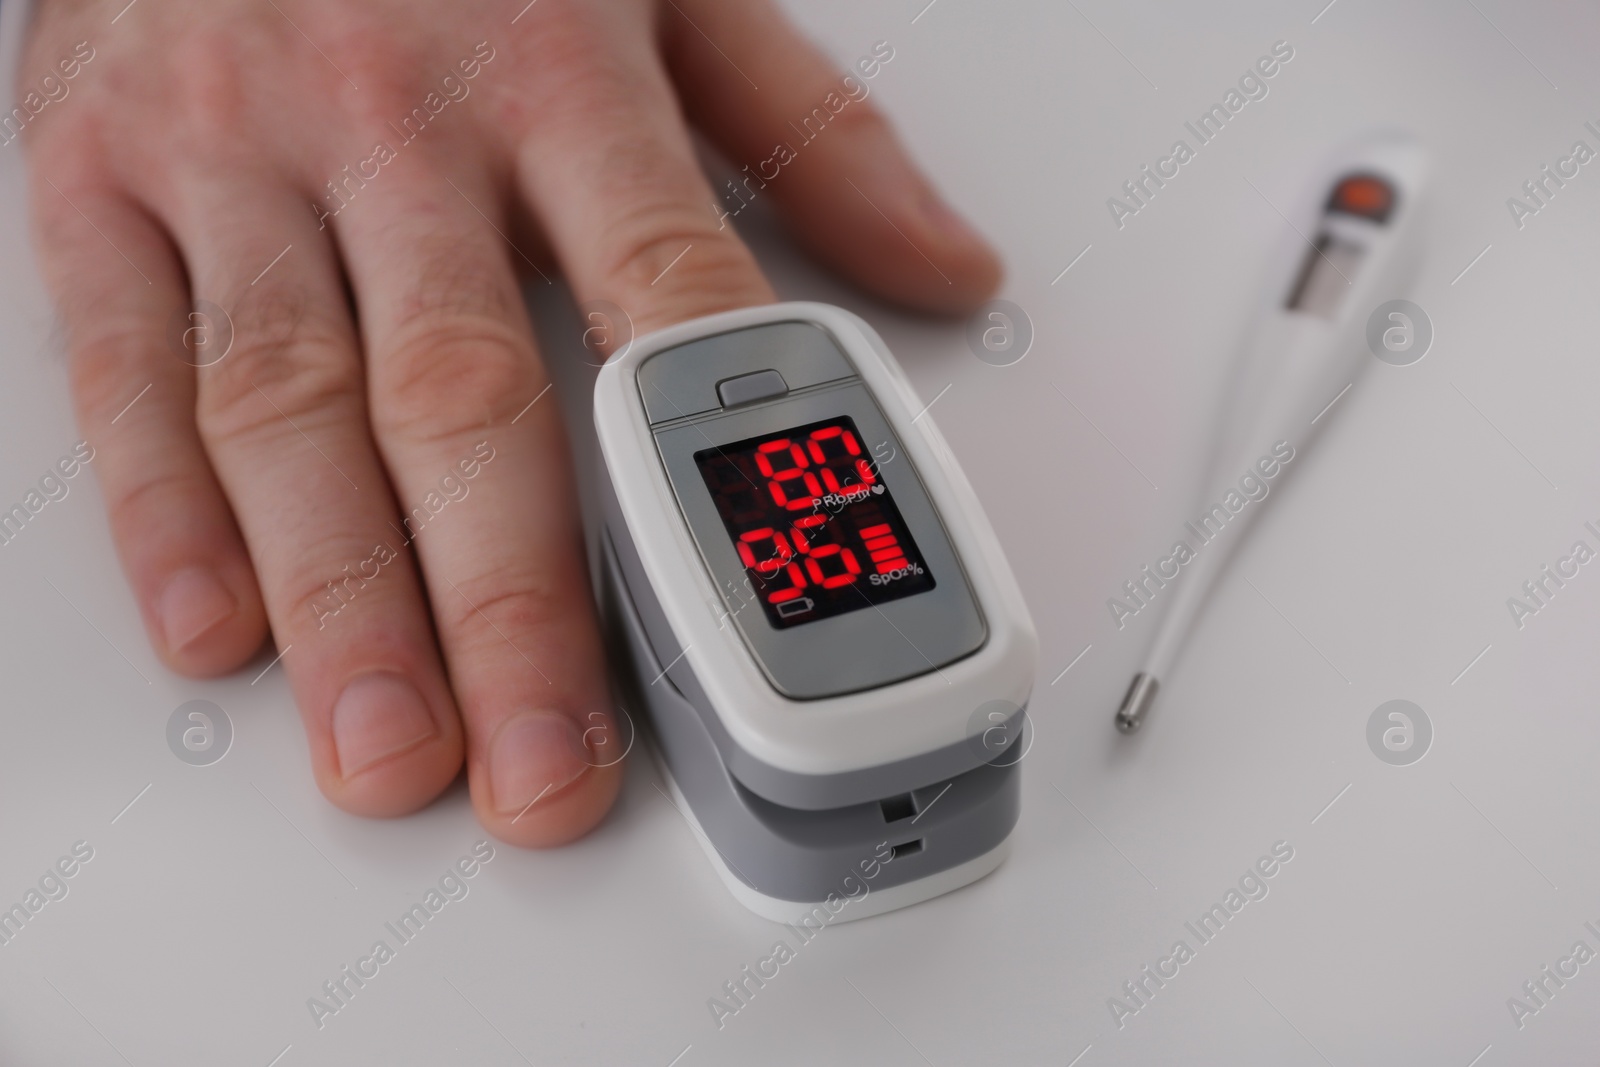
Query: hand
(362,471)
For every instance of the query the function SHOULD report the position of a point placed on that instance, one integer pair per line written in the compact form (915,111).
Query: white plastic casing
(833,734)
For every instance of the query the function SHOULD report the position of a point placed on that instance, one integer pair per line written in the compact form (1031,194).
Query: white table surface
(1414,906)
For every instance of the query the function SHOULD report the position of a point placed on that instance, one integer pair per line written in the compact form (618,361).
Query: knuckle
(267,384)
(449,374)
(306,602)
(285,360)
(455,279)
(103,364)
(274,313)
(490,608)
(156,495)
(672,246)
(318,590)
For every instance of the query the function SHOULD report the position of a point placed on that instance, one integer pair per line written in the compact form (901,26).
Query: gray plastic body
(791,853)
(871,647)
(943,812)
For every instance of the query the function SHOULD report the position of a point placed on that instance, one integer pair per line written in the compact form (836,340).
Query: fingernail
(534,754)
(191,604)
(376,716)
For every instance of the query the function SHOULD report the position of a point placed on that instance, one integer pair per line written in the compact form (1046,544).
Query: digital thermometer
(1361,249)
(819,620)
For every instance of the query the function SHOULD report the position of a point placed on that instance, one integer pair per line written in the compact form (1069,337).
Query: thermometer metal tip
(1141,694)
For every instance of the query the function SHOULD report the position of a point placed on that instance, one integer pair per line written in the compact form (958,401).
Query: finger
(611,176)
(284,420)
(818,145)
(478,456)
(119,285)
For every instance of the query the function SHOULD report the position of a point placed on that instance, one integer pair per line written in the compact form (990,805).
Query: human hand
(368,470)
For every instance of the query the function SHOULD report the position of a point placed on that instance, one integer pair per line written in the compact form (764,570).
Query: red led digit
(814,443)
(809,522)
(846,557)
(812,487)
(798,580)
(765,453)
(851,447)
(857,488)
(833,466)
(812,552)
(781,552)
(827,433)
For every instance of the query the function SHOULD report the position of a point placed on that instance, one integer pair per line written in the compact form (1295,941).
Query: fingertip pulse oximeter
(832,652)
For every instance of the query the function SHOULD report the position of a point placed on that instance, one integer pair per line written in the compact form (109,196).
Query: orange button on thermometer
(1364,196)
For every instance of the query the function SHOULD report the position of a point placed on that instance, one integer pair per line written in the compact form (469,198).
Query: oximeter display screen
(817,530)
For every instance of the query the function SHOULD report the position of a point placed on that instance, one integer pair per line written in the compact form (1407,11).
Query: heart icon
(877,488)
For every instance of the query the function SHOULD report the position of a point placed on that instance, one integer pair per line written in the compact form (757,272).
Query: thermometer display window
(813,523)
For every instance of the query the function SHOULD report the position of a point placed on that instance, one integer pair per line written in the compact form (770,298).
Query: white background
(1413,907)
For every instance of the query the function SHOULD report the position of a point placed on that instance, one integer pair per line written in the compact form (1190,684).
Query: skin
(390,343)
